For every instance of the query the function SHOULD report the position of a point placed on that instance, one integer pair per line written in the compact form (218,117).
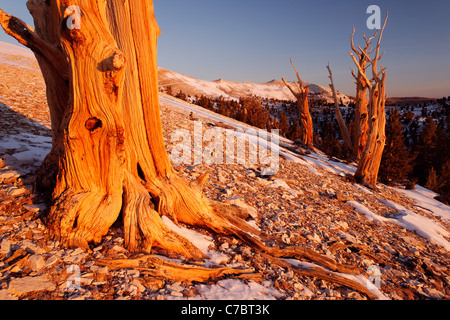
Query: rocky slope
(309,202)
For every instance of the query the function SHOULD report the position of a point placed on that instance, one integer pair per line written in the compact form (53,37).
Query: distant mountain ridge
(274,89)
(406,101)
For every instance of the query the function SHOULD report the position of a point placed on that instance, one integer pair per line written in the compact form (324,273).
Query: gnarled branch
(23,33)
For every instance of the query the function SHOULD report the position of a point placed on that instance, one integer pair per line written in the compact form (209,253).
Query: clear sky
(252,40)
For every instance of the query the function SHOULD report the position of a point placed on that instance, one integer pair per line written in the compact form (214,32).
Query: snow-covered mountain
(274,89)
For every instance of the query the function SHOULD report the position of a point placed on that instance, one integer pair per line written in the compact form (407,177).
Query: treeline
(417,137)
(249,110)
(265,114)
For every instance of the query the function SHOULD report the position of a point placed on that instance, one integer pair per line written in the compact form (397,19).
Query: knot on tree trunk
(93,124)
(115,62)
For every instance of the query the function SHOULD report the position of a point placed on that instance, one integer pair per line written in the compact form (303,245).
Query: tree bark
(303,108)
(361,124)
(360,134)
(369,164)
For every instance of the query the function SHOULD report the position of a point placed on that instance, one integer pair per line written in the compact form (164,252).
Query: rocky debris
(5,249)
(21,286)
(5,295)
(36,262)
(8,176)
(238,202)
(23,89)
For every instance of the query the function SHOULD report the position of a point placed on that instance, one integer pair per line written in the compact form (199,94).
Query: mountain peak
(274,81)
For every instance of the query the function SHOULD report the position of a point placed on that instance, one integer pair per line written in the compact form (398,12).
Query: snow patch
(202,242)
(235,90)
(28,147)
(234,289)
(424,227)
(362,189)
(16,56)
(365,211)
(11,49)
(424,199)
(289,156)
(320,160)
(277,183)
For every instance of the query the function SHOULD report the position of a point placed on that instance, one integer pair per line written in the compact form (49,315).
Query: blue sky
(252,40)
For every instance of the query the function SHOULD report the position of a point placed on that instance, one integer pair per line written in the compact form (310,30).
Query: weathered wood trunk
(305,118)
(369,164)
(361,128)
(98,59)
(303,108)
(370,161)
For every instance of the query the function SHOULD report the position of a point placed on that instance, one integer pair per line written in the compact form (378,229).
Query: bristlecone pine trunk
(361,128)
(98,59)
(301,95)
(369,164)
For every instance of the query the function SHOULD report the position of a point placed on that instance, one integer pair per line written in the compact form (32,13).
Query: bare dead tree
(369,163)
(303,108)
(342,126)
(361,128)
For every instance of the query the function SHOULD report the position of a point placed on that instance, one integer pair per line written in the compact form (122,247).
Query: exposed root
(360,249)
(310,255)
(234,215)
(320,273)
(335,278)
(144,228)
(164,269)
(76,219)
(18,258)
(184,202)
